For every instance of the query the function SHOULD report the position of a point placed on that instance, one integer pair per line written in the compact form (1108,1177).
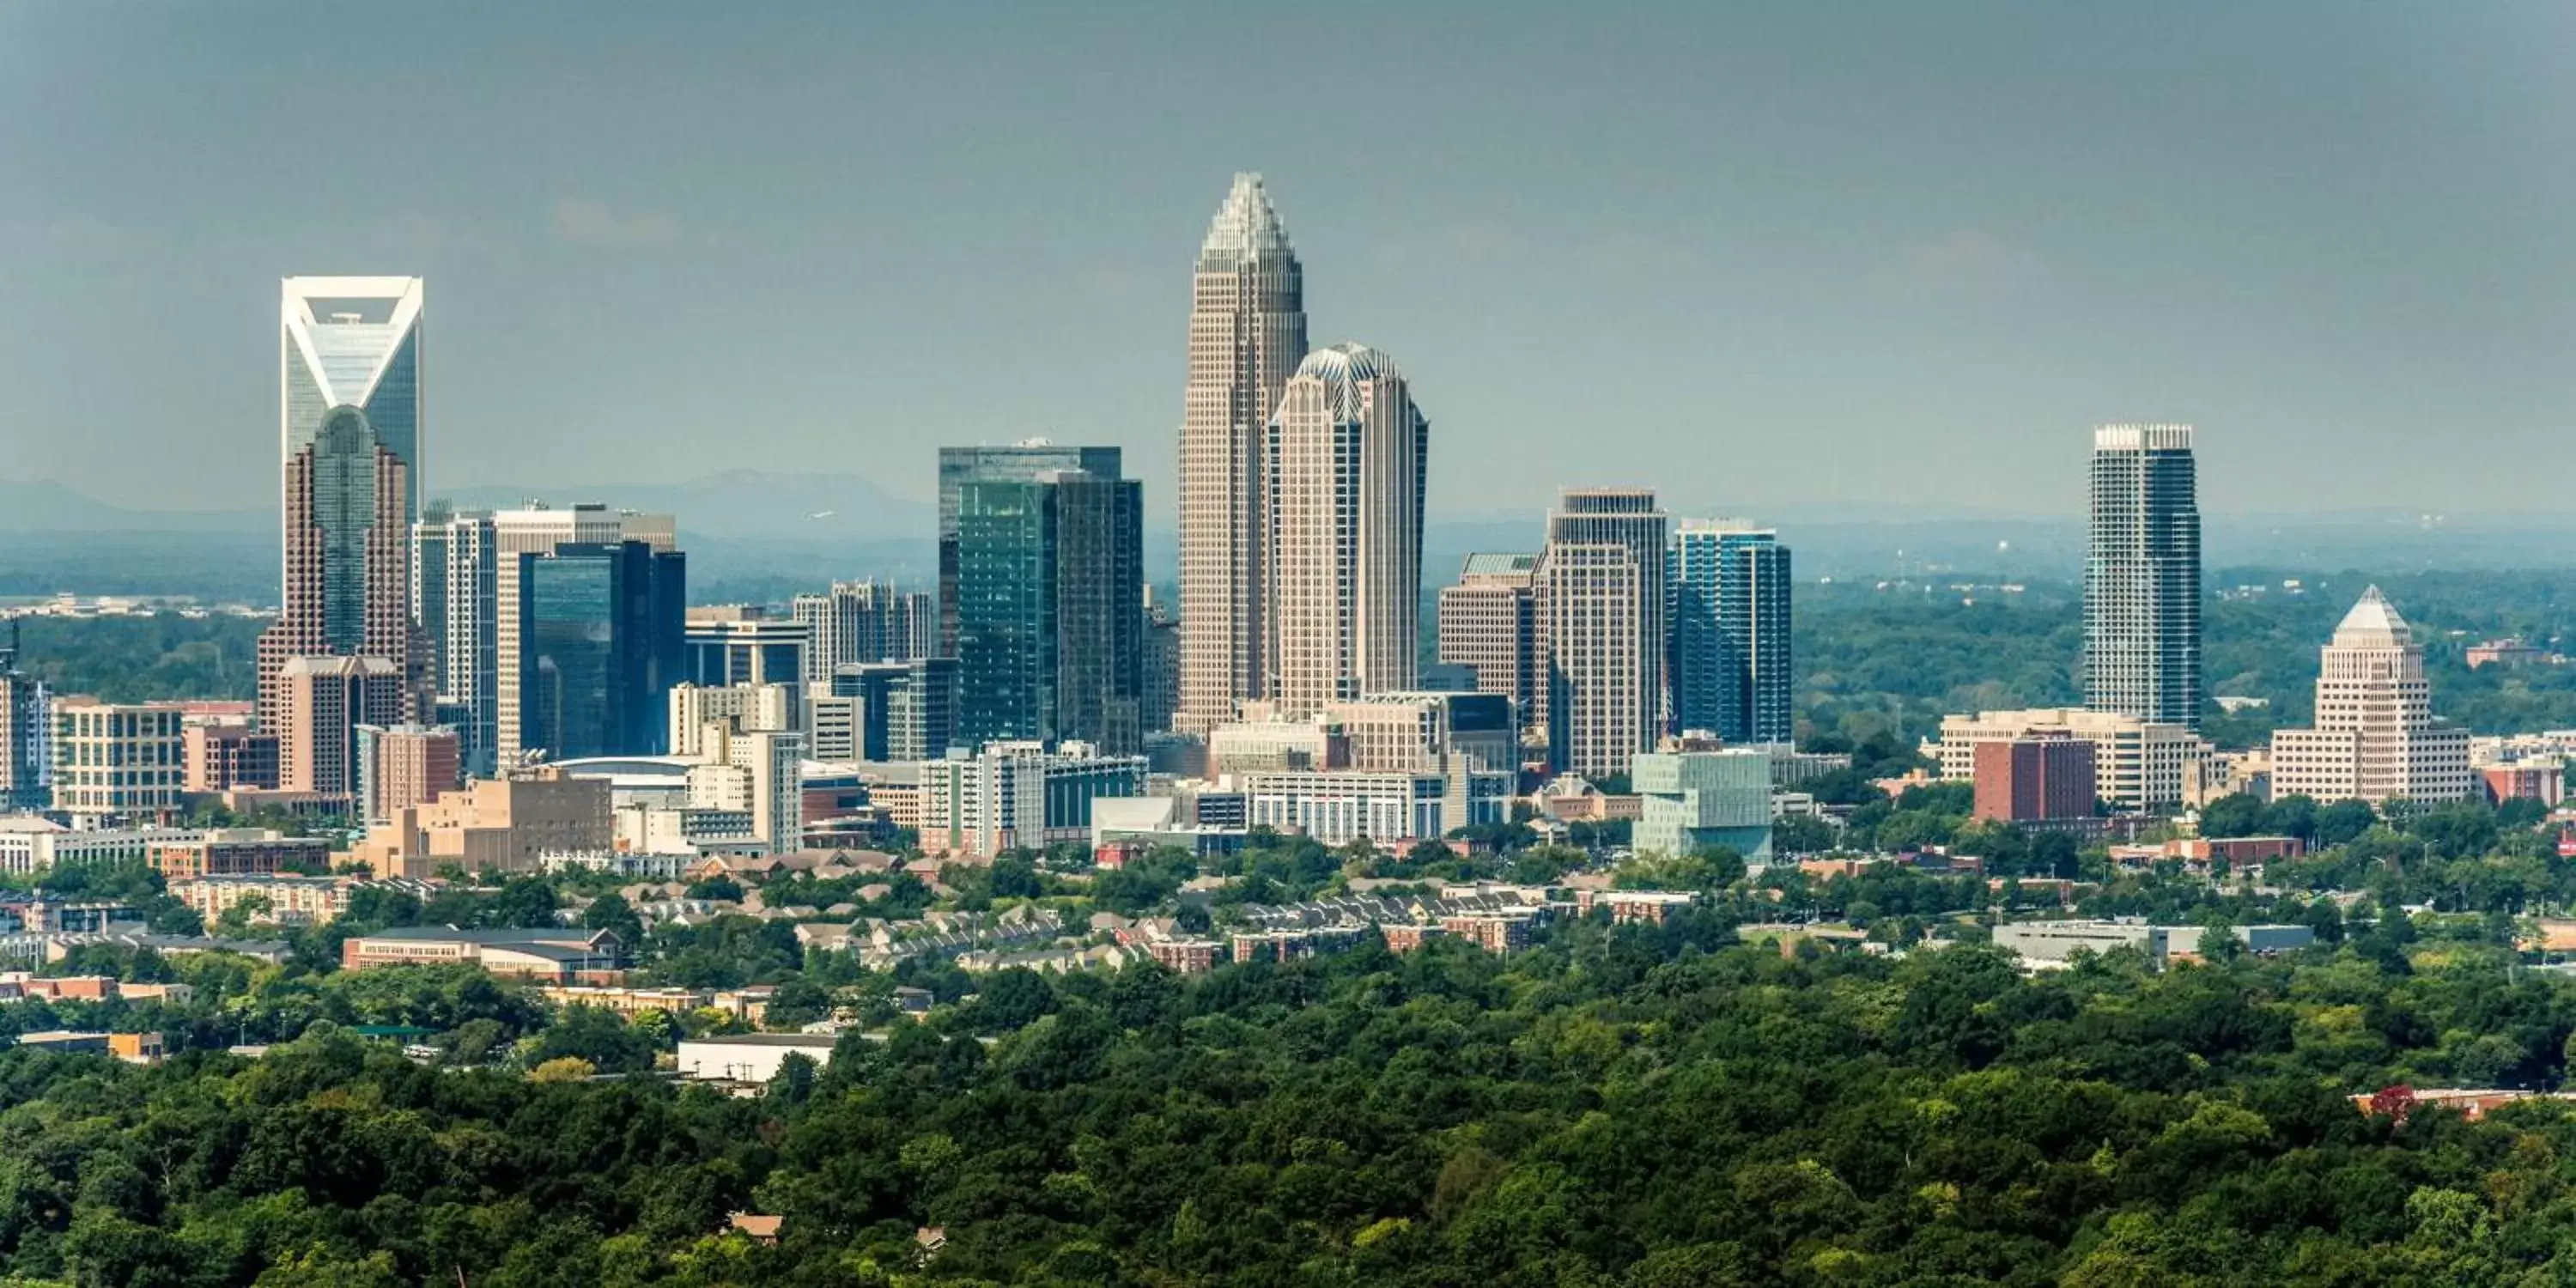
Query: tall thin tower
(350,441)
(1344,471)
(2142,576)
(1247,335)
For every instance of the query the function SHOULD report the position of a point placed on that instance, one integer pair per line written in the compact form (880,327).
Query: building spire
(1246,226)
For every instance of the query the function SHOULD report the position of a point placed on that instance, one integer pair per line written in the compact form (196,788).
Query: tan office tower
(1489,624)
(323,701)
(2375,737)
(1343,471)
(1601,612)
(1247,334)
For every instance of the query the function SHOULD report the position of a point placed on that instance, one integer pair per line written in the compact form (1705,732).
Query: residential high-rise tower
(1489,624)
(1730,632)
(1247,335)
(1343,464)
(2142,576)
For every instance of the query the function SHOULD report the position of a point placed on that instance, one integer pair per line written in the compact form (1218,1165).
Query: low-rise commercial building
(1019,794)
(1340,806)
(494,824)
(2055,943)
(751,1057)
(561,956)
(2139,766)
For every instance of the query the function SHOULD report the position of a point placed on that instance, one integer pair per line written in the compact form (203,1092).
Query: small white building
(750,1057)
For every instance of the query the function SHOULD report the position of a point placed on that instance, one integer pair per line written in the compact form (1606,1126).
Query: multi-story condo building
(521,724)
(455,588)
(897,710)
(350,441)
(1344,466)
(2142,576)
(1489,624)
(116,761)
(858,622)
(1019,794)
(743,644)
(1416,732)
(25,722)
(403,766)
(1731,673)
(2138,766)
(2375,737)
(747,761)
(1692,800)
(1247,335)
(1601,606)
(1049,573)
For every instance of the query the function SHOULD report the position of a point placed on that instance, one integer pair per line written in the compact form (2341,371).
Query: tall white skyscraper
(2375,737)
(1247,334)
(2142,576)
(1344,472)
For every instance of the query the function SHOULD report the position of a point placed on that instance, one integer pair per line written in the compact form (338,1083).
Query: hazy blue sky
(1755,255)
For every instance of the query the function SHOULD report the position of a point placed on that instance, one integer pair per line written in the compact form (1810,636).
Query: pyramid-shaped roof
(2373,623)
(1246,226)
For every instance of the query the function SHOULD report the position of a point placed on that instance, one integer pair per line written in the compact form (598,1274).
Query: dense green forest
(141,659)
(1638,1107)
(1896,657)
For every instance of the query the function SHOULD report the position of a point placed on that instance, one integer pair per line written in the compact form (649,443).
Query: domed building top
(1342,367)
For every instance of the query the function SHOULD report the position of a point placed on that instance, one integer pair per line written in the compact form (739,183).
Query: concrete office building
(2142,576)
(1601,606)
(1047,572)
(1731,671)
(1159,692)
(2375,737)
(1344,464)
(2138,767)
(1247,335)
(1338,806)
(1693,800)
(1009,795)
(743,706)
(326,700)
(116,761)
(226,755)
(2033,780)
(1488,623)
(501,824)
(350,440)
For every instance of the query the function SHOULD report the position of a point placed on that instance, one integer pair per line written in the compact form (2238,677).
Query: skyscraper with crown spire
(350,438)
(1247,335)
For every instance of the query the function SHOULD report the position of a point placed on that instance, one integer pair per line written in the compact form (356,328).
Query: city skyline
(1868,299)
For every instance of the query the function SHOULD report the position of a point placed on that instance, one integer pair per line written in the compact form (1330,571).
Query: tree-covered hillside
(1619,1108)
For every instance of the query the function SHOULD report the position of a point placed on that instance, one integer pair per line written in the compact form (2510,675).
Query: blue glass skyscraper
(600,647)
